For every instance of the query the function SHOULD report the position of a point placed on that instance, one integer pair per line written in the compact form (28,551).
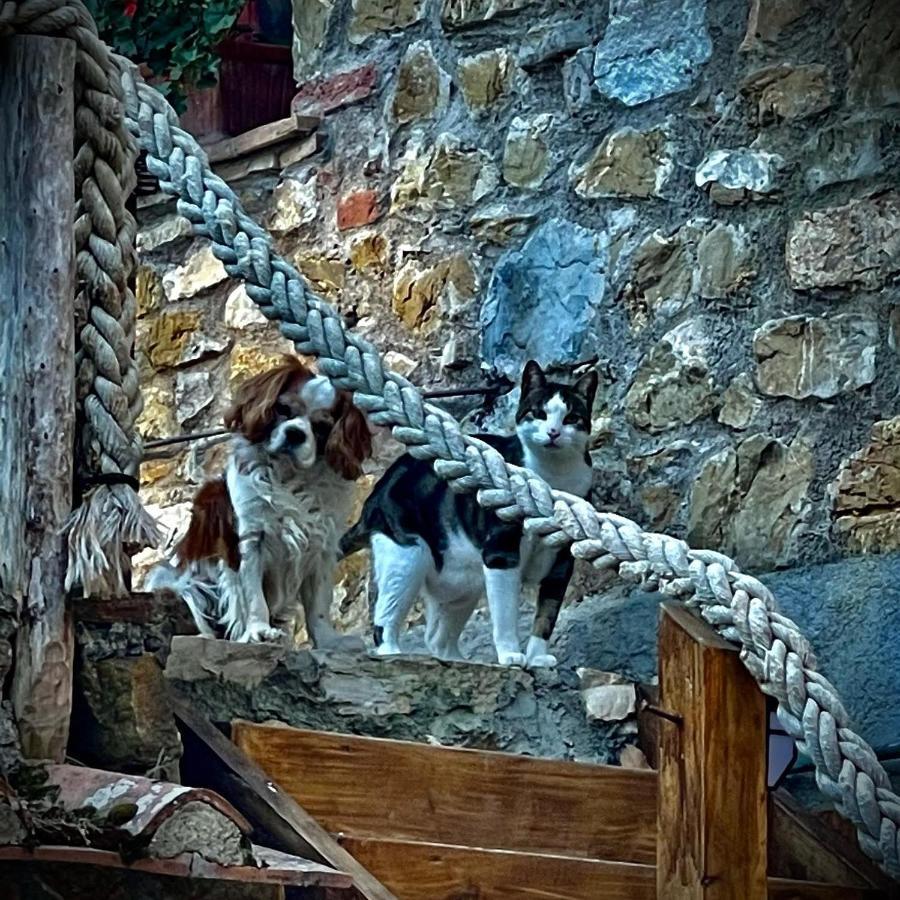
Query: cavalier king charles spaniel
(263,538)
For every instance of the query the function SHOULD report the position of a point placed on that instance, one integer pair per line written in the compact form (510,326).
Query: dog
(263,538)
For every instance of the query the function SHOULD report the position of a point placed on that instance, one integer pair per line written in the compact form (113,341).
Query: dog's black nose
(294,437)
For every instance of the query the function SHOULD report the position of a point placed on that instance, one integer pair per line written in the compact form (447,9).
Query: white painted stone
(241,311)
(200,271)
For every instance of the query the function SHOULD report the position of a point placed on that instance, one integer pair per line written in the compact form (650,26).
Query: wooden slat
(369,787)
(803,847)
(37,377)
(788,889)
(261,137)
(420,871)
(263,801)
(712,767)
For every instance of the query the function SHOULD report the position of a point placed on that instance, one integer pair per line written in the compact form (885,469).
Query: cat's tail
(354,539)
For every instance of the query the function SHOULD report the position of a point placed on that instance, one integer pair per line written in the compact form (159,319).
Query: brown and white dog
(263,538)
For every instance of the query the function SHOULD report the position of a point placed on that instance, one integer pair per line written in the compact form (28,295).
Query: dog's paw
(259,632)
(542,661)
(510,658)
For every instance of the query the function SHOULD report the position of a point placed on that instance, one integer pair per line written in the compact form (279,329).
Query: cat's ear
(533,377)
(586,387)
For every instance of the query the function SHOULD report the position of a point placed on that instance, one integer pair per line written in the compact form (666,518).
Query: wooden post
(37,376)
(712,767)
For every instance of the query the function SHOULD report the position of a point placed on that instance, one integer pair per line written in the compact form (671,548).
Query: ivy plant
(176,39)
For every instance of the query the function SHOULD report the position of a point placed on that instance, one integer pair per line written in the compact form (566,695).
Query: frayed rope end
(110,518)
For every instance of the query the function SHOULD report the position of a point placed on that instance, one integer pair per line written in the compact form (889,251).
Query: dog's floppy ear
(253,409)
(350,441)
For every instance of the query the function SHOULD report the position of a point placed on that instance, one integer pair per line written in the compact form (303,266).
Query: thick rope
(738,606)
(110,522)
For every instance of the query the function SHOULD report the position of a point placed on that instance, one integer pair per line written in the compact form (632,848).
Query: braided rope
(738,606)
(110,517)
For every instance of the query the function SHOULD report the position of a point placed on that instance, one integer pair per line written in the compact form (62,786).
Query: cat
(426,539)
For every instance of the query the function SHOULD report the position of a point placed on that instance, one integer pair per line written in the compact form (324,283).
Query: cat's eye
(571,419)
(538,414)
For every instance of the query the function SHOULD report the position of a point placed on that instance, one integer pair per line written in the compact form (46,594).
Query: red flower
(131,8)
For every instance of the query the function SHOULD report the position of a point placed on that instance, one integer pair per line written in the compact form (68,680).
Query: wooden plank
(301,833)
(261,137)
(803,847)
(37,373)
(370,787)
(788,889)
(422,871)
(712,767)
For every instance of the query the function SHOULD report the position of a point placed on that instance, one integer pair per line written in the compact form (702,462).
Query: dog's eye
(281,409)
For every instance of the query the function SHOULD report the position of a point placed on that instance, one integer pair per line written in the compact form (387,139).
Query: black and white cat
(427,540)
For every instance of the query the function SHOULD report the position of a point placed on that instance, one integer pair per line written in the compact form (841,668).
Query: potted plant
(176,40)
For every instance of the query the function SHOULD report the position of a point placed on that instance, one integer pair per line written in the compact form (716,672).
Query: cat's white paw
(260,632)
(510,658)
(542,661)
(386,649)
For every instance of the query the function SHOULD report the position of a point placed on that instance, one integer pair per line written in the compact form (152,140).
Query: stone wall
(699,198)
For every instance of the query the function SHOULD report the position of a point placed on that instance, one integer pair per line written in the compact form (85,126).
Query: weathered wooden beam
(374,788)
(271,805)
(712,767)
(261,137)
(37,374)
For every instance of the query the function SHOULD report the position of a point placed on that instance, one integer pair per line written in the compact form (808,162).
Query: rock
(651,49)
(422,86)
(200,347)
(789,92)
(741,174)
(578,80)
(632,757)
(672,386)
(422,295)
(128,725)
(867,490)
(357,209)
(725,260)
(251,359)
(739,403)
(458,352)
(768,18)
(628,163)
(148,290)
(873,47)
(165,336)
(854,244)
(326,94)
(194,392)
(311,19)
(804,356)
(201,270)
(371,16)
(294,203)
(660,505)
(416,699)
(157,418)
(241,311)
(486,77)
(156,470)
(458,13)
(325,274)
(544,298)
(172,228)
(399,363)
(608,697)
(751,504)
(551,38)
(844,152)
(501,225)
(526,154)
(661,277)
(370,253)
(447,176)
